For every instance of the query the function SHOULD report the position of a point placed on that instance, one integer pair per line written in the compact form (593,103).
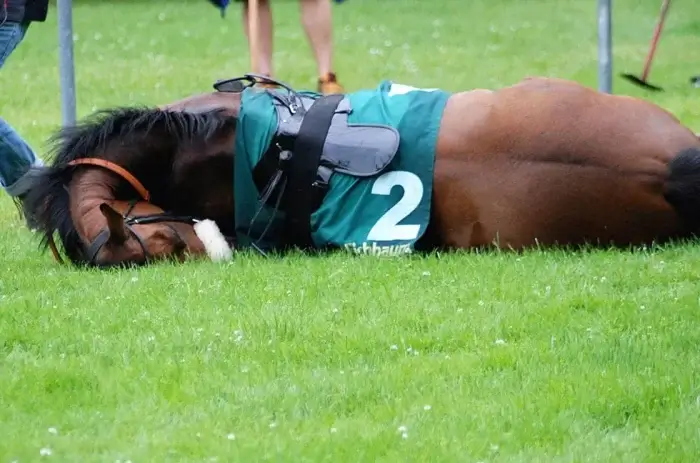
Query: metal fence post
(66,62)
(605,46)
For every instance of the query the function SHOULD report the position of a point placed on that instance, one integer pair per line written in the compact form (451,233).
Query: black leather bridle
(129,221)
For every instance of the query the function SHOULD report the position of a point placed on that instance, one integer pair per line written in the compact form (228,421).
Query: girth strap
(303,170)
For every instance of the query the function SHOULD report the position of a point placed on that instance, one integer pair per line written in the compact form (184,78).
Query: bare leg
(317,19)
(265,38)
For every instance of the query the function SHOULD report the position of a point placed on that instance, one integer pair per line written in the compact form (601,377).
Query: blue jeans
(16,157)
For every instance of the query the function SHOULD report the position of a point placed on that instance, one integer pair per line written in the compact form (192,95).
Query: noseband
(101,239)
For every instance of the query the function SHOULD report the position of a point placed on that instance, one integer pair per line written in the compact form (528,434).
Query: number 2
(387,228)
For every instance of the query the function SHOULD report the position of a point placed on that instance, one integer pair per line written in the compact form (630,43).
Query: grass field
(546,356)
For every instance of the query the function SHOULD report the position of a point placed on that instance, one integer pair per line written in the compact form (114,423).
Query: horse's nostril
(180,247)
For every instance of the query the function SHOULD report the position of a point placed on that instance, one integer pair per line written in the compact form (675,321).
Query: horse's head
(97,163)
(131,232)
(98,230)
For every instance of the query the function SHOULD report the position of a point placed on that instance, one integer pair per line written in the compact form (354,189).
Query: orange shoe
(329,85)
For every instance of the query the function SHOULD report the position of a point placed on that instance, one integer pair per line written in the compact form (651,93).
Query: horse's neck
(202,179)
(203,160)
(200,167)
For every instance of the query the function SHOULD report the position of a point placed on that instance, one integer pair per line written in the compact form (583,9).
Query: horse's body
(542,162)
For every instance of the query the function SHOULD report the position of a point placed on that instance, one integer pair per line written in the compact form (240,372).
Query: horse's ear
(115,224)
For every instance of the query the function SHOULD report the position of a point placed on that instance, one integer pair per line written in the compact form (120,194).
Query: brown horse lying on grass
(387,170)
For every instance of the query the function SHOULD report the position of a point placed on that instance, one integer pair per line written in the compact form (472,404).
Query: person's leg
(16,157)
(317,19)
(264,38)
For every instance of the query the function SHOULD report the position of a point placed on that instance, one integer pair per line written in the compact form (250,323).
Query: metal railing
(66,62)
(605,46)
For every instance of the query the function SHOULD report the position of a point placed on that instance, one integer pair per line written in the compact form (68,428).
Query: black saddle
(313,141)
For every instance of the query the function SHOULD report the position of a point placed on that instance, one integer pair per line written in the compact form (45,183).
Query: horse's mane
(92,135)
(47,202)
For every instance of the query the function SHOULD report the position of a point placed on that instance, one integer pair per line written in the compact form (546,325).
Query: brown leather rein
(94,247)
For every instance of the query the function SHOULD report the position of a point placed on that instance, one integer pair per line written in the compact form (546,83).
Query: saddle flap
(361,150)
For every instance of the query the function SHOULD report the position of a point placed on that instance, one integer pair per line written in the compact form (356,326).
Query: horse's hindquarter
(549,161)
